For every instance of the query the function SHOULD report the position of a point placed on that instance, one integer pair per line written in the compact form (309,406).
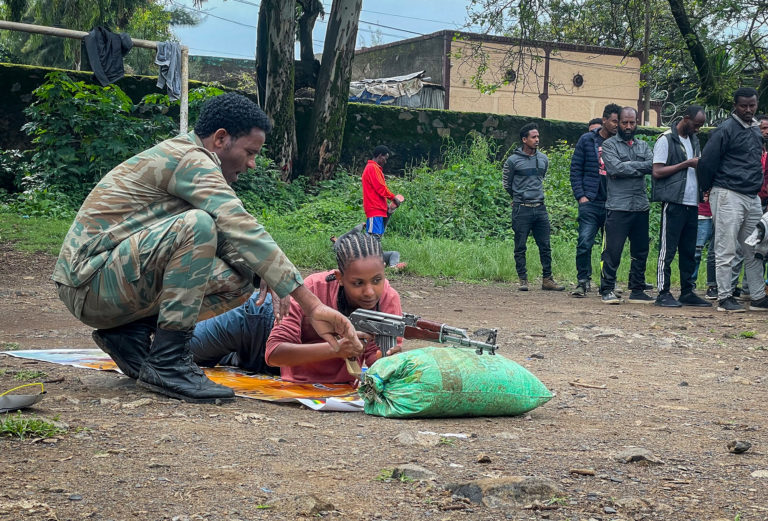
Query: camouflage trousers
(169,269)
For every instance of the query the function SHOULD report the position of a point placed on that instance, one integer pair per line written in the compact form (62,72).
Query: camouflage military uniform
(163,233)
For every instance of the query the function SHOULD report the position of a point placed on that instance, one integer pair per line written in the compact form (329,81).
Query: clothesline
(145,44)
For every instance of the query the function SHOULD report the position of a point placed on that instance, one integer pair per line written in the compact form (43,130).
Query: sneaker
(618,291)
(549,284)
(400,266)
(666,300)
(580,291)
(711,293)
(730,305)
(640,297)
(588,286)
(648,287)
(759,305)
(523,285)
(736,292)
(692,299)
(610,298)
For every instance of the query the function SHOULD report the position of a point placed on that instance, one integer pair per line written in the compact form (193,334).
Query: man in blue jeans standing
(523,177)
(588,184)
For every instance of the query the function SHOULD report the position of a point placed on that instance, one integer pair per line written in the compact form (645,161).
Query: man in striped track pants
(675,158)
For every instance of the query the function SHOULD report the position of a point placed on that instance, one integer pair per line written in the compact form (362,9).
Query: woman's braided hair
(353,246)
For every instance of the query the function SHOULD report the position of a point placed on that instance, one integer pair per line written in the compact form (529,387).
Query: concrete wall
(397,59)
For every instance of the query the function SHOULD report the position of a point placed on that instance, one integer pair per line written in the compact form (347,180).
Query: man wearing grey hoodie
(523,177)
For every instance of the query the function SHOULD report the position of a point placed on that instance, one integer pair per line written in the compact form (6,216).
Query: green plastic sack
(435,382)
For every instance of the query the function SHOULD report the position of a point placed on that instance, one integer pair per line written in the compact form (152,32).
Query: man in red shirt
(376,195)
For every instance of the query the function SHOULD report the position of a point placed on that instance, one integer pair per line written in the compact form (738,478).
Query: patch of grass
(34,233)
(556,500)
(406,479)
(264,507)
(26,374)
(761,348)
(384,475)
(19,426)
(9,346)
(3,371)
(748,334)
(447,441)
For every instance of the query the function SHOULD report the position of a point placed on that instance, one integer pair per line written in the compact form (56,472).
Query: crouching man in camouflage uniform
(163,241)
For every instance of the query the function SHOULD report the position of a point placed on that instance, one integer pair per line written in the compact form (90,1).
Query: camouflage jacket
(168,179)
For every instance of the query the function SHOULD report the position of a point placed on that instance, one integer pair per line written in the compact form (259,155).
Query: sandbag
(435,382)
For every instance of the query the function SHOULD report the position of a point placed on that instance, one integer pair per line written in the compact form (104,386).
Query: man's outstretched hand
(332,326)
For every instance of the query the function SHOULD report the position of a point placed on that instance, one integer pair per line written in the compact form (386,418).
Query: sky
(229,26)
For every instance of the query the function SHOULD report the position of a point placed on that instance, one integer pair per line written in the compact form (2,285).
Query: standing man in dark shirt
(731,165)
(627,162)
(675,157)
(588,184)
(523,177)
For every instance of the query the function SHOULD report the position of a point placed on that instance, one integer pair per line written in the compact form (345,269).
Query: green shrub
(81,131)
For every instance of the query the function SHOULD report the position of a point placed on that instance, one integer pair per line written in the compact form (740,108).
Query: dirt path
(679,383)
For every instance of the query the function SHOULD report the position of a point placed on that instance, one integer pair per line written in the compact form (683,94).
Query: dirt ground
(681,383)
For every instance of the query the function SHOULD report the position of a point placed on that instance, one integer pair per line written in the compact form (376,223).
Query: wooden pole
(144,44)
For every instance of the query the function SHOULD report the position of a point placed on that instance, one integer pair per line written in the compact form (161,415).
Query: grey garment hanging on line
(169,59)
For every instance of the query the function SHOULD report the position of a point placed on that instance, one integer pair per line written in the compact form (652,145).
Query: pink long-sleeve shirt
(296,329)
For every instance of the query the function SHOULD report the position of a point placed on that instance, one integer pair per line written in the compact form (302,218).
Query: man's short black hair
(693,110)
(761,117)
(381,150)
(595,121)
(611,108)
(234,113)
(527,129)
(744,92)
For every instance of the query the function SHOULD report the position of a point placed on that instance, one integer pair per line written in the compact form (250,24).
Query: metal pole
(144,44)
(646,75)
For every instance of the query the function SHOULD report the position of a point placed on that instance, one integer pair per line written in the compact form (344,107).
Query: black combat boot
(128,345)
(170,370)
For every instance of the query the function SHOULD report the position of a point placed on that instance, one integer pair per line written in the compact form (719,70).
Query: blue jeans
(237,337)
(591,219)
(704,238)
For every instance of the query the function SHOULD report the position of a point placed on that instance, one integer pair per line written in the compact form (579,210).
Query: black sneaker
(523,285)
(666,300)
(610,298)
(580,291)
(736,292)
(759,305)
(640,297)
(692,299)
(648,287)
(711,293)
(730,305)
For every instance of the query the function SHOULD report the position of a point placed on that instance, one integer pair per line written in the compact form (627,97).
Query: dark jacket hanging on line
(105,51)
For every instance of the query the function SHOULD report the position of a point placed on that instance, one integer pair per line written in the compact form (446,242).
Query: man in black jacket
(730,165)
(588,184)
(675,157)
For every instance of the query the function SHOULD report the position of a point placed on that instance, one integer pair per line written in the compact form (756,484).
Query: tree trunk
(695,47)
(278,89)
(329,112)
(311,9)
(262,44)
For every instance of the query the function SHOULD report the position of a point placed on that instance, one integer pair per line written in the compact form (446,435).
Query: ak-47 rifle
(386,328)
